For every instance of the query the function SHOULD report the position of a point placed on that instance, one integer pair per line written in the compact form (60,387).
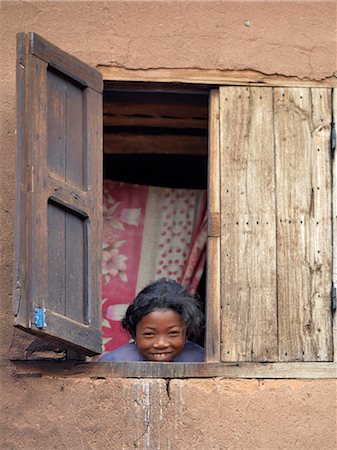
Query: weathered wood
(154,104)
(214,225)
(184,145)
(147,120)
(68,195)
(172,88)
(175,370)
(303,179)
(94,184)
(248,253)
(37,232)
(67,64)
(213,313)
(77,336)
(334,219)
(209,77)
(63,153)
(19,275)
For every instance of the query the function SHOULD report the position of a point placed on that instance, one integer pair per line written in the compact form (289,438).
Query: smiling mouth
(161,356)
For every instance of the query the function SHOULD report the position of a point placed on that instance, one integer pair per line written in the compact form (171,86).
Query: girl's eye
(148,334)
(174,333)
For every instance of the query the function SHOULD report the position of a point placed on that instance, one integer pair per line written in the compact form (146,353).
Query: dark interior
(157,136)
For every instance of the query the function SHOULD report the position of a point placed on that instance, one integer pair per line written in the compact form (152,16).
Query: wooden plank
(68,195)
(140,143)
(37,205)
(173,88)
(19,275)
(86,337)
(93,181)
(171,106)
(213,318)
(176,370)
(248,251)
(334,219)
(209,77)
(303,179)
(65,63)
(147,120)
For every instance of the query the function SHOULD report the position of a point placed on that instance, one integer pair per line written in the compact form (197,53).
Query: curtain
(148,233)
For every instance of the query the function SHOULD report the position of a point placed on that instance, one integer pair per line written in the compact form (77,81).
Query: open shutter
(57,292)
(276,231)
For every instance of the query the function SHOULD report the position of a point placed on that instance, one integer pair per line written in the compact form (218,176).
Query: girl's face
(161,335)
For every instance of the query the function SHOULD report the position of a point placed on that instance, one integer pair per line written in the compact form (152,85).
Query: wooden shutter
(276,229)
(57,292)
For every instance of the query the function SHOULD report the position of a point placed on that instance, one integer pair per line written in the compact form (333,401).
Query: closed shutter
(57,288)
(276,224)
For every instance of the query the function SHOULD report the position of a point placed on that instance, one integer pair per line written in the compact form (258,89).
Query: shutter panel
(304,234)
(59,196)
(276,247)
(248,254)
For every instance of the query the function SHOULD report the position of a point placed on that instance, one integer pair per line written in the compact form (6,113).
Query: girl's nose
(161,342)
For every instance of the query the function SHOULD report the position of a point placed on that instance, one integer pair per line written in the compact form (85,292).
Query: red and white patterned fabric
(148,233)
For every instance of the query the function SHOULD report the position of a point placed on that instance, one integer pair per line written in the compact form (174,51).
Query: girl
(160,320)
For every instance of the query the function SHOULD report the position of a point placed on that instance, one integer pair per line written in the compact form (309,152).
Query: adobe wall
(287,38)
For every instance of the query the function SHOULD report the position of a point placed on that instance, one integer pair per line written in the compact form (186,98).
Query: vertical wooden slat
(304,247)
(20,251)
(248,254)
(213,312)
(37,210)
(334,222)
(93,163)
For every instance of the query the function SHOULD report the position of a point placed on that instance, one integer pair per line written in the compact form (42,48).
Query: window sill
(175,370)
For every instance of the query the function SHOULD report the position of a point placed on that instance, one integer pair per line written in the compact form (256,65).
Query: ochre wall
(288,38)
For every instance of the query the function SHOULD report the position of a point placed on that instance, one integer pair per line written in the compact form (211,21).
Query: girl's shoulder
(192,353)
(127,352)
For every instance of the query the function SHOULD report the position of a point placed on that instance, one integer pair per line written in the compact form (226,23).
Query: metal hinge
(333,140)
(39,317)
(333,299)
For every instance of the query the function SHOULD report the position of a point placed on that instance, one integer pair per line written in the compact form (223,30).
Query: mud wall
(295,39)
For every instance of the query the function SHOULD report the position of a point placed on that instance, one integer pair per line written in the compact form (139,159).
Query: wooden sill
(175,370)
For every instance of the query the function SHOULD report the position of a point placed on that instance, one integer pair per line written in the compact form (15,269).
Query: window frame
(211,367)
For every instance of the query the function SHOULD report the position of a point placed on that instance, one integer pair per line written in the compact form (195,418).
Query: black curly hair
(165,294)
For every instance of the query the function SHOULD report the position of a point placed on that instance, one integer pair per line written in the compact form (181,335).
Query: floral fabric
(148,233)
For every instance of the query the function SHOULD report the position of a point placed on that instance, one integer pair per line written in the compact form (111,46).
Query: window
(270,215)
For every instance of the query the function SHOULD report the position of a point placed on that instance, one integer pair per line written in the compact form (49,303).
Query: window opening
(154,136)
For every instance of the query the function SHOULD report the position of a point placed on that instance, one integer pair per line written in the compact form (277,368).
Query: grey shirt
(192,352)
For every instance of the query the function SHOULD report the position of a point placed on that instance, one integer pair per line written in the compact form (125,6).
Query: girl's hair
(165,294)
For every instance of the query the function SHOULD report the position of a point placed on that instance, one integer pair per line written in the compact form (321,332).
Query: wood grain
(248,251)
(149,143)
(213,312)
(334,220)
(304,261)
(19,263)
(64,63)
(175,370)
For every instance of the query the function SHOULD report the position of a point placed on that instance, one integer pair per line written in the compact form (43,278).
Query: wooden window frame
(210,368)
